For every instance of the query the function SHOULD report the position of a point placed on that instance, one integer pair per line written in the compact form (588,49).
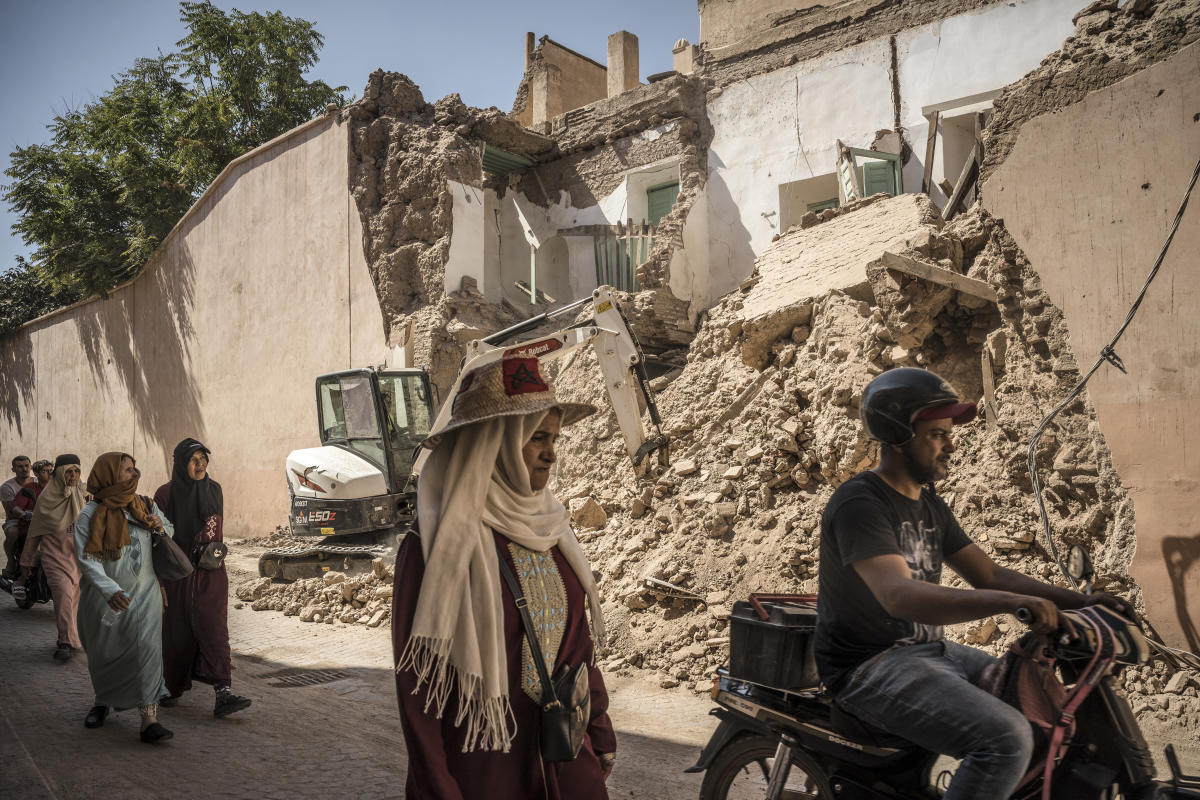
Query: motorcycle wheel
(740,770)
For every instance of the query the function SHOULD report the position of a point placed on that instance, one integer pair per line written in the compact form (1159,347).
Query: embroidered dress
(546,598)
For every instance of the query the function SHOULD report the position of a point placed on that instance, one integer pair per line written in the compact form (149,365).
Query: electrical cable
(1107,353)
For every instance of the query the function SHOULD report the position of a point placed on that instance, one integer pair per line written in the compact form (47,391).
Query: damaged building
(816,192)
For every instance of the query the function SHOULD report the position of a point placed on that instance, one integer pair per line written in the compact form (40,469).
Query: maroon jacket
(437,767)
(195,623)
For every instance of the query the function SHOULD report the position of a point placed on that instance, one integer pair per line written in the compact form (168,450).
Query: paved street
(340,738)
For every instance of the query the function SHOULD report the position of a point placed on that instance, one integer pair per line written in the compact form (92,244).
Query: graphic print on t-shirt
(921,549)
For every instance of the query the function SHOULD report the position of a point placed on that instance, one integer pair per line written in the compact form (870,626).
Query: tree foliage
(117,174)
(24,295)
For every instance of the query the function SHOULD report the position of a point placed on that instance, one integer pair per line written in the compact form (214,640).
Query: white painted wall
(783,126)
(467,239)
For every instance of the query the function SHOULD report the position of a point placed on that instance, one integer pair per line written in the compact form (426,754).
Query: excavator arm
(622,368)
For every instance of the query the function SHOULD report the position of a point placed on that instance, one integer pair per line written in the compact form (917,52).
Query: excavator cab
(352,495)
(381,416)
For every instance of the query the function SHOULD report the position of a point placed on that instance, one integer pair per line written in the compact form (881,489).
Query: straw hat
(509,387)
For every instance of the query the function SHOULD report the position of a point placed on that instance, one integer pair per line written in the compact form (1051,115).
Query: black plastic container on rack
(777,651)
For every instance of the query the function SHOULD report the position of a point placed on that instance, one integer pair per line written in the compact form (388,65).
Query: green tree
(117,174)
(24,295)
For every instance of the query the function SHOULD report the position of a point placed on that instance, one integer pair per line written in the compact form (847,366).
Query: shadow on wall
(1181,556)
(19,371)
(732,255)
(143,336)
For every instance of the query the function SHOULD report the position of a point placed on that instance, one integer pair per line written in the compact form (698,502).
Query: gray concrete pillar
(622,63)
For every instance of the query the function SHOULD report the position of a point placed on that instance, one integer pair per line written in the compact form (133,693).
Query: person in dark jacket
(195,624)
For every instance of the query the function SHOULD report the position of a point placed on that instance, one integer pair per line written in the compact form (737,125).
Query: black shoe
(155,733)
(169,701)
(63,652)
(228,702)
(95,717)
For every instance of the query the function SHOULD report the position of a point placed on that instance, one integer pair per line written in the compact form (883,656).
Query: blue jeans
(928,694)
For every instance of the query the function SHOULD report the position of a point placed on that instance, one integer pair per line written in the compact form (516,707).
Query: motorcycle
(37,588)
(777,743)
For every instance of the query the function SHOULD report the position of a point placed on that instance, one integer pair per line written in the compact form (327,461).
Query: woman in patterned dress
(465,680)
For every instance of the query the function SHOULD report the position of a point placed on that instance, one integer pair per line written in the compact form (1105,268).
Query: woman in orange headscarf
(113,543)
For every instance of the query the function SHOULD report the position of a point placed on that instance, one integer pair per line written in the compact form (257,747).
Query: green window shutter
(878,176)
(660,200)
(824,204)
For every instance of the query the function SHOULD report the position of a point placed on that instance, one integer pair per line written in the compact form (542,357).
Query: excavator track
(312,561)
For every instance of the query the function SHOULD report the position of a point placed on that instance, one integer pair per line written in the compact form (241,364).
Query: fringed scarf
(109,533)
(58,505)
(474,481)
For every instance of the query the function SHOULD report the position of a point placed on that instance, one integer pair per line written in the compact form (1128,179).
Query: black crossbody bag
(566,702)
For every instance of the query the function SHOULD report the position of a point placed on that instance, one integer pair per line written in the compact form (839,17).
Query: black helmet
(894,400)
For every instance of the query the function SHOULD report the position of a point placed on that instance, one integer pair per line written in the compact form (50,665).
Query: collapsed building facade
(774,207)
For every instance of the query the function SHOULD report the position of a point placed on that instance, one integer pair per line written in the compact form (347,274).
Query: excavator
(355,495)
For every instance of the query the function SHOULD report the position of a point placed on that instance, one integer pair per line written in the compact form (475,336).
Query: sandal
(95,717)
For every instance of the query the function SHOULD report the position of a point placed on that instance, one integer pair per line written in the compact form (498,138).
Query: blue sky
(59,54)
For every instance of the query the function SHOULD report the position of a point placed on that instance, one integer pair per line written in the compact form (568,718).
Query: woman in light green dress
(113,541)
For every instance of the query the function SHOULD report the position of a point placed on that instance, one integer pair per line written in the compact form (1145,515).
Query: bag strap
(535,647)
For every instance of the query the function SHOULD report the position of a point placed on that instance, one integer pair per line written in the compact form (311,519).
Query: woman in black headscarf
(195,629)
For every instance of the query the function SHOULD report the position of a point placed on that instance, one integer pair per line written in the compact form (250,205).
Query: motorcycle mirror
(1079,564)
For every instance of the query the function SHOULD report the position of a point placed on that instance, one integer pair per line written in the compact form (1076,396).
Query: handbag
(170,562)
(211,555)
(566,700)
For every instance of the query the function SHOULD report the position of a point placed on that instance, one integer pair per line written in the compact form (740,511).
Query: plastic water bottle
(111,615)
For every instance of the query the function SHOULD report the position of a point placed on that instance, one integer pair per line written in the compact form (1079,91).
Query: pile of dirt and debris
(364,599)
(763,422)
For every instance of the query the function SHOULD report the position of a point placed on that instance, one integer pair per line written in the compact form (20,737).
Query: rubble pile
(364,599)
(763,430)
(404,153)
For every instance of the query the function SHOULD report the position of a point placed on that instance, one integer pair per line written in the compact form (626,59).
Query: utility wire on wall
(1107,353)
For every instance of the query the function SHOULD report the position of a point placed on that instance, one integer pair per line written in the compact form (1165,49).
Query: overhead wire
(1107,354)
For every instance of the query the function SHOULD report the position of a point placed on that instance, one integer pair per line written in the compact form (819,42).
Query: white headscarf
(474,481)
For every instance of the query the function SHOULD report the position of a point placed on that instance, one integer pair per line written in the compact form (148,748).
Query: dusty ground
(340,738)
(336,739)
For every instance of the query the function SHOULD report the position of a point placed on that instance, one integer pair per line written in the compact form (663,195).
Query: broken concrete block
(981,632)
(332,577)
(252,590)
(716,598)
(586,513)
(686,466)
(637,509)
(712,498)
(753,454)
(310,614)
(734,473)
(636,602)
(377,618)
(725,510)
(1177,683)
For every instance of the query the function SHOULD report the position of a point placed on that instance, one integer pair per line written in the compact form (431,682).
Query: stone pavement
(335,739)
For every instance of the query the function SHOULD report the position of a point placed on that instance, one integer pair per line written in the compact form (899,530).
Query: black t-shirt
(867,518)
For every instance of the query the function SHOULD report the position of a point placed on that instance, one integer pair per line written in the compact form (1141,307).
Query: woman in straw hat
(112,543)
(467,686)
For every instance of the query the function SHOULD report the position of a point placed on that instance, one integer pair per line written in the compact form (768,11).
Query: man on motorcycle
(879,642)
